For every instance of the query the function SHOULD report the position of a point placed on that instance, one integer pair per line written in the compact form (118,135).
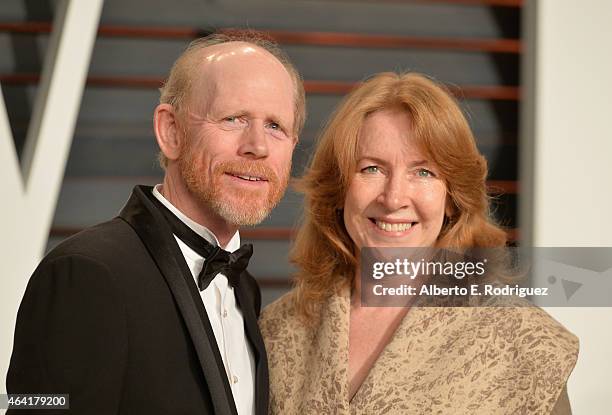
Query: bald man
(154,312)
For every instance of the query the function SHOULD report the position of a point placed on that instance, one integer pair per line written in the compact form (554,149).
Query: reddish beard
(239,206)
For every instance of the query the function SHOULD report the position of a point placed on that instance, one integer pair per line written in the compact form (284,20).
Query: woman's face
(395,196)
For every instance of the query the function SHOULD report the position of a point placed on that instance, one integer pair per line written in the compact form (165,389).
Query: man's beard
(240,207)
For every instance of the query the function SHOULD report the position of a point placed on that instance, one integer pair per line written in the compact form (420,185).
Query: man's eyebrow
(222,112)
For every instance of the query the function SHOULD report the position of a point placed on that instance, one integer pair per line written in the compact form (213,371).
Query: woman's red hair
(324,253)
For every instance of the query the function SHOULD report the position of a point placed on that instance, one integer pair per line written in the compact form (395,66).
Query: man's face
(238,143)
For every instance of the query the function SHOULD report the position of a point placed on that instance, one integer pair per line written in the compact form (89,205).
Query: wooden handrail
(274,282)
(286,37)
(268,234)
(493,3)
(507,93)
(258,234)
(493,186)
(396,42)
(508,187)
(501,3)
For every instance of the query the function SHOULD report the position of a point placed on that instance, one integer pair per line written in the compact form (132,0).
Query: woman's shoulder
(283,323)
(531,327)
(529,340)
(280,319)
(540,329)
(534,353)
(282,308)
(513,359)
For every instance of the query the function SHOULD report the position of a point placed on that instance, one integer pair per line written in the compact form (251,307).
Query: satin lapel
(252,329)
(153,230)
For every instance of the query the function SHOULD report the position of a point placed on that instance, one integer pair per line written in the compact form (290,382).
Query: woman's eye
(370,169)
(425,173)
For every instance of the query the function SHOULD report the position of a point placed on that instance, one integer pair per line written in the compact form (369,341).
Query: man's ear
(167,131)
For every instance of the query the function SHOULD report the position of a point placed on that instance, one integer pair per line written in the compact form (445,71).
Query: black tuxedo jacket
(113,317)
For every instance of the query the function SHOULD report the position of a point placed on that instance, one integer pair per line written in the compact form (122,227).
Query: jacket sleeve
(70,337)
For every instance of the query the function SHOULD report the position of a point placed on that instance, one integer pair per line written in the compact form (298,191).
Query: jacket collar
(155,233)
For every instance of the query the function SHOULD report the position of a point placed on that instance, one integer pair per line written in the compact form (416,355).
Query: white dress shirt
(224,315)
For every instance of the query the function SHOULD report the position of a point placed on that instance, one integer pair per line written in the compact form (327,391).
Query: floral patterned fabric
(485,360)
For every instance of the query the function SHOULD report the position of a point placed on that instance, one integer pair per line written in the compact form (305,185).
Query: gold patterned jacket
(478,360)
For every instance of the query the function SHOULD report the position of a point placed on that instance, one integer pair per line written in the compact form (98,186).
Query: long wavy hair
(323,251)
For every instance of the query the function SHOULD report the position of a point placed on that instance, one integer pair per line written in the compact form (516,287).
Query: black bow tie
(216,260)
(232,265)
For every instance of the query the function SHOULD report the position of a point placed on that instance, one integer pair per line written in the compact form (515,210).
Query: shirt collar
(203,231)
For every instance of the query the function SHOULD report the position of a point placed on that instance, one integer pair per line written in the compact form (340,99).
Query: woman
(397,166)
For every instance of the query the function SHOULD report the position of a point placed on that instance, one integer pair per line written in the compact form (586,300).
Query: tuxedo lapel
(252,329)
(156,235)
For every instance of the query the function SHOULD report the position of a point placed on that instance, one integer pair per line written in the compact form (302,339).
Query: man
(145,313)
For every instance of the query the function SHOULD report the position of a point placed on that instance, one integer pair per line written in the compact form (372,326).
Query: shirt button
(224,313)
(234,379)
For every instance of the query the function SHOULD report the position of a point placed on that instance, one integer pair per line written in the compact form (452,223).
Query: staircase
(472,46)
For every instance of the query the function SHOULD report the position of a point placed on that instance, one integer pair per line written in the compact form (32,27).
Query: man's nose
(254,143)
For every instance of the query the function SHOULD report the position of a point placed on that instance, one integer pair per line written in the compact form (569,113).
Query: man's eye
(277,131)
(370,169)
(234,121)
(425,173)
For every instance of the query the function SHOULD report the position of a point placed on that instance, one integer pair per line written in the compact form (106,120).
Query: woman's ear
(450,211)
(450,208)
(167,132)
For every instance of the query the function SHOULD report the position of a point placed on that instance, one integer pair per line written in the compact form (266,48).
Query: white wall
(566,171)
(30,190)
